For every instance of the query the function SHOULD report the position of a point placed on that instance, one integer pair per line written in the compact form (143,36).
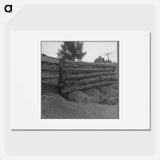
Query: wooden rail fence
(72,76)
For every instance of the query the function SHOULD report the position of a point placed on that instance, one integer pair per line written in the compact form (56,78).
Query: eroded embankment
(100,102)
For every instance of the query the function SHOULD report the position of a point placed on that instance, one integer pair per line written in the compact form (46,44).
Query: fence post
(62,78)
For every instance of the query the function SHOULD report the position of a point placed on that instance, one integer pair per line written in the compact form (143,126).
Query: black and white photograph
(79,80)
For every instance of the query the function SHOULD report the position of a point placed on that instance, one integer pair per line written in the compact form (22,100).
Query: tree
(71,50)
(99,59)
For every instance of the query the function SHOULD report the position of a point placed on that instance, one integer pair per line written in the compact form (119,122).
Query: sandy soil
(95,103)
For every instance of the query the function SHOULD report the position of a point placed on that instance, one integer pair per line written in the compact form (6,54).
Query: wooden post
(62,64)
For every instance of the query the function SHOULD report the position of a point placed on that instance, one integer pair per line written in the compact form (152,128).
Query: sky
(93,49)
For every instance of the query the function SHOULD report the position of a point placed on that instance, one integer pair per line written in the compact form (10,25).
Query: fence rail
(50,70)
(72,76)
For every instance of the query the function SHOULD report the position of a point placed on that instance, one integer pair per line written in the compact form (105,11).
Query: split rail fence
(72,76)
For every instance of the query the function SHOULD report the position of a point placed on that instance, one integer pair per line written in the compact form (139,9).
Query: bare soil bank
(95,103)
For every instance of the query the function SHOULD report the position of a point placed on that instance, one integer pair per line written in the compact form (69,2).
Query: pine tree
(72,50)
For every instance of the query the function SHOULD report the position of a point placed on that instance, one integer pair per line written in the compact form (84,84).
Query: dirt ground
(95,103)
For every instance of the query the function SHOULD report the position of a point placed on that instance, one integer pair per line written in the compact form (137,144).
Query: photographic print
(79,80)
(74,80)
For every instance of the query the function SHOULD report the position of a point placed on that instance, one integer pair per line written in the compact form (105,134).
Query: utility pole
(108,54)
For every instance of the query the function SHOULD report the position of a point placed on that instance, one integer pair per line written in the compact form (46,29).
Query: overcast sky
(93,49)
